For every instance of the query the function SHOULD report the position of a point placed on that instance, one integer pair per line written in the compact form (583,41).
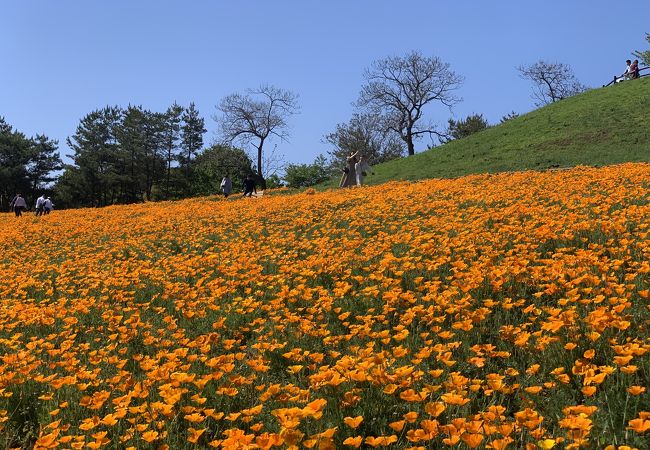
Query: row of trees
(125,155)
(27,164)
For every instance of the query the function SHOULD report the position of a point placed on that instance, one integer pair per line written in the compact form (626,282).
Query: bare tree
(363,134)
(256,117)
(398,89)
(551,81)
(273,162)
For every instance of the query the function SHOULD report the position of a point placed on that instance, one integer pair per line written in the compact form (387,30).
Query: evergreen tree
(645,55)
(171,137)
(14,158)
(97,155)
(154,142)
(44,161)
(26,164)
(131,138)
(458,129)
(192,129)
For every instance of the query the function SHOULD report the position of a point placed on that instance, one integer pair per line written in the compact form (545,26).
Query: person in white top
(48,205)
(628,71)
(19,204)
(362,168)
(40,201)
(226,186)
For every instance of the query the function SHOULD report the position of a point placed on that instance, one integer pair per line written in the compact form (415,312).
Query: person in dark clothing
(249,187)
(634,69)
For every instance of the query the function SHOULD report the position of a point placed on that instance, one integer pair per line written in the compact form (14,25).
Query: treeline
(27,164)
(127,155)
(120,155)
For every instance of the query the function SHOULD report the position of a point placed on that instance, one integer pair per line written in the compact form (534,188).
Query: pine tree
(645,55)
(154,142)
(44,160)
(14,158)
(98,157)
(192,140)
(131,136)
(171,136)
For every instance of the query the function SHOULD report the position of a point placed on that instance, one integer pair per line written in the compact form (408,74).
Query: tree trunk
(409,142)
(259,165)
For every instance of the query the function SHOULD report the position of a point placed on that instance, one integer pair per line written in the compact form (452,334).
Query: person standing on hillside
(40,201)
(249,187)
(348,179)
(48,206)
(226,186)
(19,205)
(362,168)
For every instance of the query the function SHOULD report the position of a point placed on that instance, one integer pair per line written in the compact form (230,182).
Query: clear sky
(62,59)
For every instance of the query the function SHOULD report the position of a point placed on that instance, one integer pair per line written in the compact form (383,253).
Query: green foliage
(645,55)
(130,155)
(458,129)
(274,181)
(304,175)
(26,164)
(191,141)
(511,115)
(214,163)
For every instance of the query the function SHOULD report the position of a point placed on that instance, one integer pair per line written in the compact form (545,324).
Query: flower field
(490,311)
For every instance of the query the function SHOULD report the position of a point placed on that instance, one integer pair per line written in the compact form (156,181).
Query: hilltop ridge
(599,127)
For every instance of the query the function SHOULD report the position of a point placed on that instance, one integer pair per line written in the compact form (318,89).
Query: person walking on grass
(40,201)
(249,187)
(362,169)
(48,206)
(19,205)
(226,186)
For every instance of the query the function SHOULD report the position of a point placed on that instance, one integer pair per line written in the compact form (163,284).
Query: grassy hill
(600,127)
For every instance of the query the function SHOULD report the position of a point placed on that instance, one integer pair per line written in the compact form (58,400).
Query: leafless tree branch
(399,88)
(255,117)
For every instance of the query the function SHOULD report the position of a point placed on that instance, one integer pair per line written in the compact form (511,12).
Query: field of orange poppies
(490,311)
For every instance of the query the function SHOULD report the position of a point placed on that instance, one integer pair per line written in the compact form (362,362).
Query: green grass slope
(600,127)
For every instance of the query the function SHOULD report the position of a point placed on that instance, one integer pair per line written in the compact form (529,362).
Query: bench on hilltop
(623,78)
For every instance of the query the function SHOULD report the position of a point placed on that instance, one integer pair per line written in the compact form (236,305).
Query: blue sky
(63,59)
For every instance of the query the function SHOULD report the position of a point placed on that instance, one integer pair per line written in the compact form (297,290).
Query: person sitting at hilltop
(634,69)
(627,74)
